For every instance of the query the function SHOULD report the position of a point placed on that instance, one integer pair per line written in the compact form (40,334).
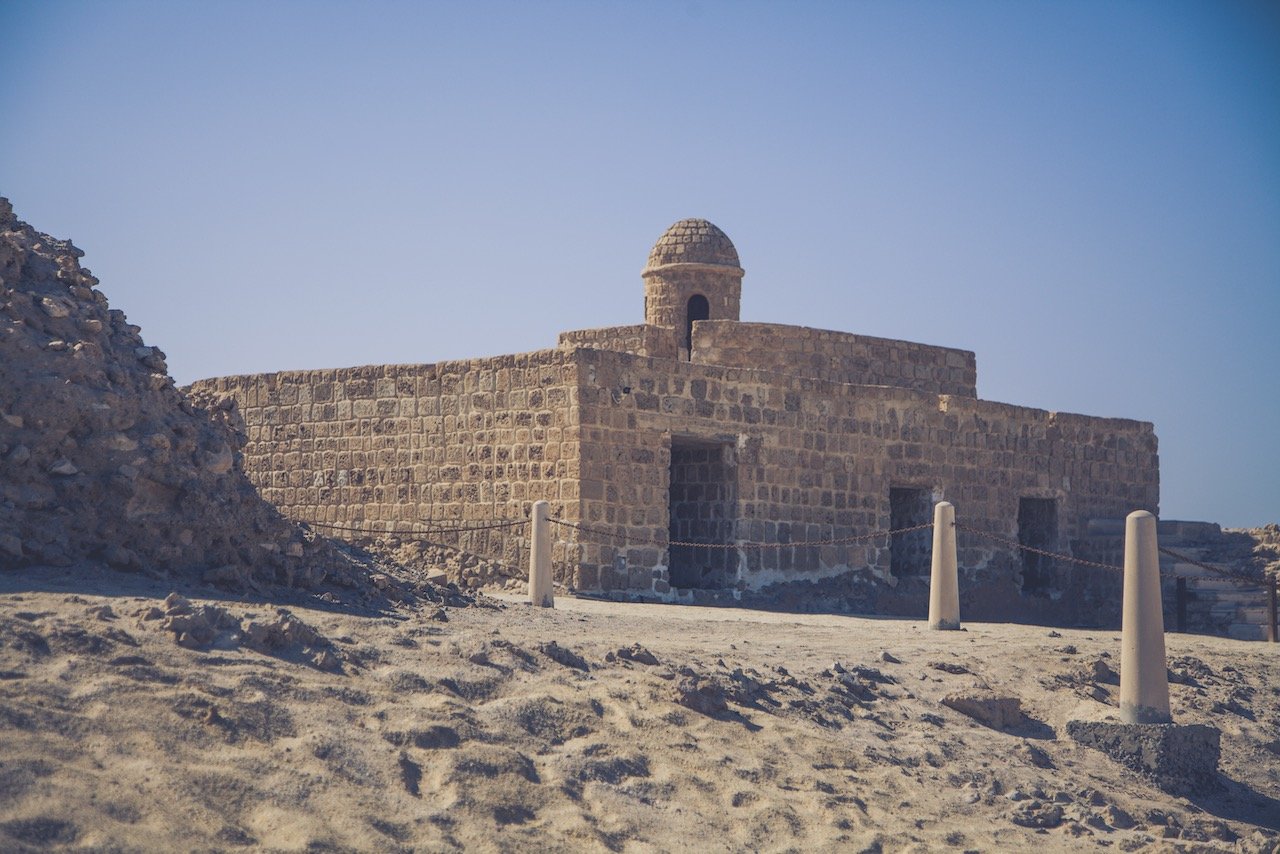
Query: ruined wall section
(816,460)
(641,339)
(103,459)
(403,448)
(837,357)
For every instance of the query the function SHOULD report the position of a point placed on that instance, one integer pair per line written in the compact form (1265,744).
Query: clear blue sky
(1087,194)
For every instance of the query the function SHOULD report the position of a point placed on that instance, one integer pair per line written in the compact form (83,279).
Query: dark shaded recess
(1037,528)
(702,507)
(910,553)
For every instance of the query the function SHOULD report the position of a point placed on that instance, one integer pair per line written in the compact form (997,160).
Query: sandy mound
(594,726)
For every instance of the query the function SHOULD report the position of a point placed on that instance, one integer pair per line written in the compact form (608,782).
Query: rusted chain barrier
(1218,572)
(632,539)
(488,526)
(1023,547)
(1260,584)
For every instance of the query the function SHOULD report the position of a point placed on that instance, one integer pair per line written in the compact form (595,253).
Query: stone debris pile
(102,458)
(203,626)
(443,563)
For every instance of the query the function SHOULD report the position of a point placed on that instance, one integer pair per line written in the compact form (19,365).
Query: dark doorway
(1037,528)
(702,506)
(910,553)
(697,309)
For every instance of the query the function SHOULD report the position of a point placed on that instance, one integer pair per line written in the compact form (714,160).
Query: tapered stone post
(1144,682)
(944,589)
(540,557)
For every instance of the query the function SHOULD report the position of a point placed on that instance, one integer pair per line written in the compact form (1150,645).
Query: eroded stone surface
(1178,757)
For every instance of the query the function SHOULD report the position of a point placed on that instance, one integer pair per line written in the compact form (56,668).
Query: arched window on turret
(697,309)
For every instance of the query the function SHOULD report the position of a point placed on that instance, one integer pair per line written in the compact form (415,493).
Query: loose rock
(988,709)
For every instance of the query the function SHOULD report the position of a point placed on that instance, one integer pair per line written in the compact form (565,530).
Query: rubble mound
(441,562)
(101,457)
(202,626)
(1264,552)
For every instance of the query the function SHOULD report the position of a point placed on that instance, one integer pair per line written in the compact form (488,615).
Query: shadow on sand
(90,578)
(1231,800)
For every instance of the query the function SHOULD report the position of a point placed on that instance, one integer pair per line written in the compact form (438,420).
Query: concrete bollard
(1144,681)
(540,557)
(944,589)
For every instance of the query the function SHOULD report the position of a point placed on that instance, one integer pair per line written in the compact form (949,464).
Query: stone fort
(700,457)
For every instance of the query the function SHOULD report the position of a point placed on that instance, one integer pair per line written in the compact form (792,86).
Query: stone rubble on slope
(102,458)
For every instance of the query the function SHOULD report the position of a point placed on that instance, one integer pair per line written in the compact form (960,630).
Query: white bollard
(944,589)
(1144,681)
(540,592)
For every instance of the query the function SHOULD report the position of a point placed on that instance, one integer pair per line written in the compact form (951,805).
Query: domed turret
(692,274)
(693,241)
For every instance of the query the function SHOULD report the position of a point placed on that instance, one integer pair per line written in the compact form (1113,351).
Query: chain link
(1218,572)
(632,539)
(489,526)
(1017,545)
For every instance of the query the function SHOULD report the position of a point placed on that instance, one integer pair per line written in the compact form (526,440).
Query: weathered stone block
(1179,758)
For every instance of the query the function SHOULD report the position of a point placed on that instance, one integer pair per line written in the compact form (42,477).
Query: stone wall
(642,339)
(409,448)
(816,460)
(837,357)
(796,460)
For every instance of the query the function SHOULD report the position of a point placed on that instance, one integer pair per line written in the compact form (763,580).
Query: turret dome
(693,241)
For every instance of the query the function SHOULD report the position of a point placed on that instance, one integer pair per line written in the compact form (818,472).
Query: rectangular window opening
(910,553)
(1037,528)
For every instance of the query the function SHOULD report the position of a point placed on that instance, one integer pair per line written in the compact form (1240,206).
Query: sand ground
(591,726)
